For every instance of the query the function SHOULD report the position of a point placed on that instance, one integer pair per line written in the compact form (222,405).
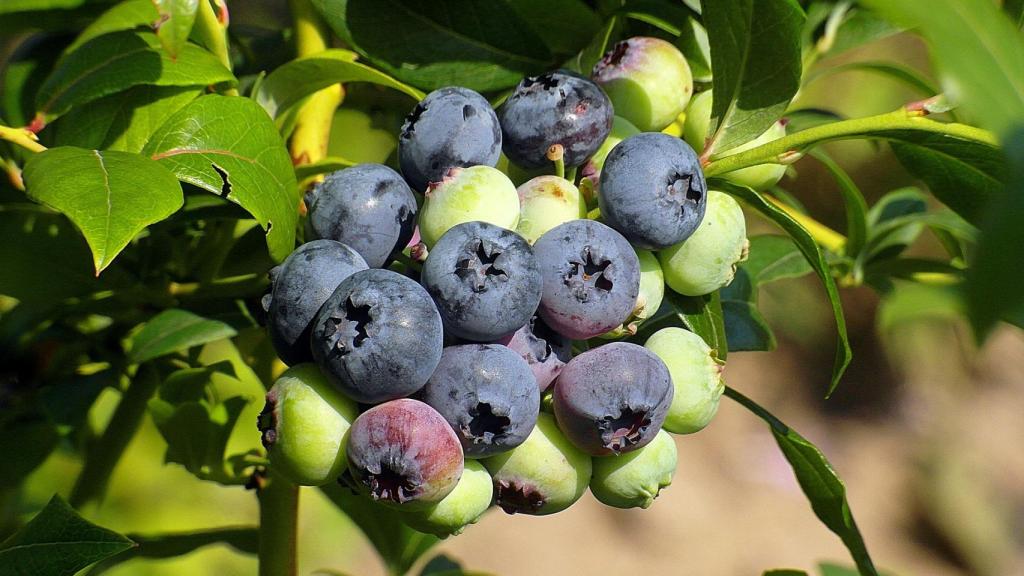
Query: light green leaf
(113,62)
(328,164)
(814,256)
(289,84)
(123,121)
(58,541)
(856,207)
(110,196)
(173,330)
(10,6)
(228,145)
(819,482)
(197,434)
(755,55)
(175,23)
(905,74)
(126,15)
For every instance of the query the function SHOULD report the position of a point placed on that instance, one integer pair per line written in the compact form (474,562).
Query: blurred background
(925,429)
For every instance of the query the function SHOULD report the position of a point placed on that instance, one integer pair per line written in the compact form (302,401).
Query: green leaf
(666,16)
(860,27)
(175,23)
(23,73)
(905,74)
(479,45)
(784,572)
(819,482)
(755,55)
(977,50)
(328,164)
(804,118)
(694,44)
(11,6)
(398,545)
(230,147)
(814,256)
(243,539)
(745,327)
(26,439)
(123,121)
(110,196)
(113,62)
(599,44)
(173,330)
(774,258)
(996,281)
(126,15)
(964,175)
(197,434)
(853,201)
(58,541)
(1015,10)
(289,84)
(701,315)
(565,26)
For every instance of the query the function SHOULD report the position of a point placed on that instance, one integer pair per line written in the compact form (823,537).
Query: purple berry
(544,350)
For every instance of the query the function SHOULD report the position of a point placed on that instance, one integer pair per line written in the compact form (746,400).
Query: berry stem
(875,126)
(104,455)
(22,137)
(556,154)
(213,33)
(279,507)
(313,124)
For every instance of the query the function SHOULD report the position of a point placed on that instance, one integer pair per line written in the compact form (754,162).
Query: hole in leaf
(225,187)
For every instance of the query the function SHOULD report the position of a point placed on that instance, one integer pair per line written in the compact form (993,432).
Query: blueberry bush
(518,296)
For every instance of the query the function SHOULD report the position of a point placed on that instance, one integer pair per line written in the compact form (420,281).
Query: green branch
(787,149)
(279,507)
(22,137)
(212,32)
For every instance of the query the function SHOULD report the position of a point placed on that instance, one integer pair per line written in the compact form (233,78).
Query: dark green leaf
(25,71)
(230,147)
(173,330)
(175,23)
(398,545)
(11,6)
(197,434)
(58,542)
(26,439)
(745,327)
(110,196)
(1015,10)
(962,174)
(440,564)
(978,51)
(804,118)
(784,572)
(242,539)
(996,281)
(814,256)
(774,258)
(701,315)
(598,45)
(565,26)
(755,55)
(113,62)
(126,15)
(123,121)
(854,203)
(289,84)
(479,45)
(666,16)
(694,44)
(819,482)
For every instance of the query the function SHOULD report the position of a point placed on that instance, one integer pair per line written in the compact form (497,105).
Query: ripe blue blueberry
(554,108)
(653,190)
(299,287)
(378,337)
(612,399)
(484,279)
(488,394)
(403,453)
(368,206)
(544,350)
(450,128)
(591,278)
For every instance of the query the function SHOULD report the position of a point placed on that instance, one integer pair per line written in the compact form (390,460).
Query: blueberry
(647,79)
(635,479)
(378,337)
(544,350)
(652,292)
(460,508)
(544,475)
(368,206)
(695,131)
(302,426)
(546,202)
(299,287)
(451,127)
(696,376)
(612,399)
(484,279)
(591,278)
(465,195)
(591,170)
(488,394)
(707,260)
(554,108)
(652,190)
(403,452)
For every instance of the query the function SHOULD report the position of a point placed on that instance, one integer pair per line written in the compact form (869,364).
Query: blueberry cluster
(432,337)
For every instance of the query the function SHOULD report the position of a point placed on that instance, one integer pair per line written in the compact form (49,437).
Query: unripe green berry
(634,479)
(303,425)
(696,376)
(648,81)
(652,292)
(465,195)
(544,475)
(695,131)
(707,260)
(621,129)
(546,202)
(462,507)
